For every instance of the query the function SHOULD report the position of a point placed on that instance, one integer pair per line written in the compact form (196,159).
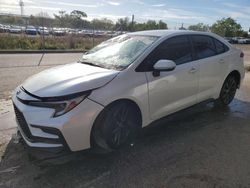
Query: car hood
(68,79)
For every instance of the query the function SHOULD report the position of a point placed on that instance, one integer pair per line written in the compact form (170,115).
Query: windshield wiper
(92,64)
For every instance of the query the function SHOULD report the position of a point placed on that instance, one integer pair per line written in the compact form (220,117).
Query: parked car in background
(231,40)
(124,84)
(6,28)
(99,33)
(73,31)
(81,32)
(242,40)
(15,30)
(2,28)
(58,32)
(30,30)
(23,28)
(43,31)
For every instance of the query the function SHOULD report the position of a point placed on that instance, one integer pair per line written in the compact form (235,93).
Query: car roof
(164,32)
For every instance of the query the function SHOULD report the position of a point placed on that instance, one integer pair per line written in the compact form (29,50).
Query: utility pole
(132,23)
(93,35)
(43,39)
(21,4)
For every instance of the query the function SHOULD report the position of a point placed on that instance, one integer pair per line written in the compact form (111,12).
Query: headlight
(61,107)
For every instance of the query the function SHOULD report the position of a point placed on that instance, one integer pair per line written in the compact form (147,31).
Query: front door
(173,90)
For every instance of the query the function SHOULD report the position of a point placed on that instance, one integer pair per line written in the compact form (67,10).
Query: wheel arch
(237,75)
(133,104)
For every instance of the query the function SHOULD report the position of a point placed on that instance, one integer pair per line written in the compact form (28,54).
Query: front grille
(22,123)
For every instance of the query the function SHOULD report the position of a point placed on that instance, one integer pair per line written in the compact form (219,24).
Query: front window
(119,52)
(177,49)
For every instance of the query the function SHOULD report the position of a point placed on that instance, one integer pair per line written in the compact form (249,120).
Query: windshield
(119,52)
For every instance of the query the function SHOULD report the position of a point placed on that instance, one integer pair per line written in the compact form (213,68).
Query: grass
(24,42)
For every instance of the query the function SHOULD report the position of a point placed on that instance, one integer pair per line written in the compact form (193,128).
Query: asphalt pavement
(202,146)
(28,60)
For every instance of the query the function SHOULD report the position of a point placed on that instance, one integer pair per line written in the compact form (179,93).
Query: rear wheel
(116,126)
(228,91)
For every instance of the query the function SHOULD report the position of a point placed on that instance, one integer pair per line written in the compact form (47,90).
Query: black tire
(117,126)
(228,91)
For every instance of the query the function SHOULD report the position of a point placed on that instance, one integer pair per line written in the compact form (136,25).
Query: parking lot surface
(30,60)
(202,146)
(15,68)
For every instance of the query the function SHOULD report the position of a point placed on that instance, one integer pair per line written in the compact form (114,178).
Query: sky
(174,13)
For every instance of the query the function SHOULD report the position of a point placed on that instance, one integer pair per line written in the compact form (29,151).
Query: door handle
(222,61)
(192,70)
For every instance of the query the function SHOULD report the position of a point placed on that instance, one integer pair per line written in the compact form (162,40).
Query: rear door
(172,90)
(210,66)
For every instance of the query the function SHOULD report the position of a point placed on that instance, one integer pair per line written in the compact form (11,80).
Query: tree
(104,23)
(42,14)
(8,19)
(227,27)
(122,24)
(162,25)
(77,14)
(63,19)
(76,18)
(41,19)
(199,27)
(150,25)
(245,34)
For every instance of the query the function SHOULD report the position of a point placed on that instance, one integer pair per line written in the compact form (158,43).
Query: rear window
(220,47)
(204,46)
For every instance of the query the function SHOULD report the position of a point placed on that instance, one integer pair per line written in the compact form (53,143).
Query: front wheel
(116,126)
(228,91)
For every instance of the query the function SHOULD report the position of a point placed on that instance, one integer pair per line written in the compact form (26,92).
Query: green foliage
(150,25)
(124,24)
(199,27)
(162,25)
(11,19)
(102,24)
(77,14)
(76,18)
(227,27)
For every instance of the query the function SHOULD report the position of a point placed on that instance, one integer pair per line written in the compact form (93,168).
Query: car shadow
(164,140)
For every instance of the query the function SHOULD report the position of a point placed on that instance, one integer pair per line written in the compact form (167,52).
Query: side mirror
(163,65)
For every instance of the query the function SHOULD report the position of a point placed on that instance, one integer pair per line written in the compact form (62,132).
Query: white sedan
(124,84)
